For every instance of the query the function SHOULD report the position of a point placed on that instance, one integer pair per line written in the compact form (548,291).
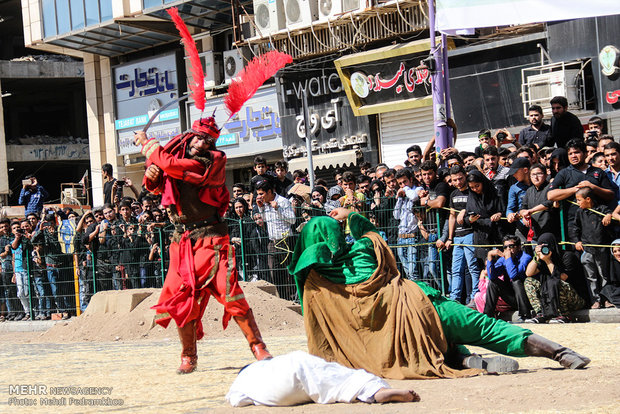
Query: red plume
(197,83)
(252,77)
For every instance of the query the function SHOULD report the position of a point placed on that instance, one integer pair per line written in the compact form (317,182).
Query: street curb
(609,315)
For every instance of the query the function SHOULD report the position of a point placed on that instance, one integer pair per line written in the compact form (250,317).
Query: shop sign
(333,126)
(140,89)
(253,130)
(387,79)
(609,60)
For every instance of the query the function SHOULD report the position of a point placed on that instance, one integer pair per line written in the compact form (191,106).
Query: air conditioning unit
(269,16)
(234,61)
(212,67)
(541,88)
(300,13)
(332,9)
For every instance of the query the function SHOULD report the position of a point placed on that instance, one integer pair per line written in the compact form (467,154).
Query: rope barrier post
(244,278)
(92,262)
(439,252)
(563,236)
(76,284)
(26,258)
(161,255)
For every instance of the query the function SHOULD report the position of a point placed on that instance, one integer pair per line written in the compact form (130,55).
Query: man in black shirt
(108,186)
(461,233)
(434,195)
(564,125)
(579,175)
(538,133)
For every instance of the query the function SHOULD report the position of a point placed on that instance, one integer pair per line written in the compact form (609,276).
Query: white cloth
(298,378)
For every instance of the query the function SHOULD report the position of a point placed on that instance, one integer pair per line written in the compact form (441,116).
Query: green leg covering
(465,326)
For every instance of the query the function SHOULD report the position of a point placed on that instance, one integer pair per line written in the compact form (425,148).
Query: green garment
(322,247)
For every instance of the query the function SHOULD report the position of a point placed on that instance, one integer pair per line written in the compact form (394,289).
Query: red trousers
(200,269)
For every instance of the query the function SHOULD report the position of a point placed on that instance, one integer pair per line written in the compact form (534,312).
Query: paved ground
(141,374)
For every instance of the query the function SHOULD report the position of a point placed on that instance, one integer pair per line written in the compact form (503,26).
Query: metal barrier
(132,257)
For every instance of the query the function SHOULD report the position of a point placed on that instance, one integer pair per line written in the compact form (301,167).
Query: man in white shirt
(279,215)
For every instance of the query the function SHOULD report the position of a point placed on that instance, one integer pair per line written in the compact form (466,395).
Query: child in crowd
(591,230)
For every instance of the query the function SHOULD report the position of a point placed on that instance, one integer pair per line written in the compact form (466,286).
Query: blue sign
(139,120)
(227,139)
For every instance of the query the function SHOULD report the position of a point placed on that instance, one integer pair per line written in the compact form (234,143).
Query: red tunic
(201,268)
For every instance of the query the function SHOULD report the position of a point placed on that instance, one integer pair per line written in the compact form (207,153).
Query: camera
(545,250)
(120,183)
(501,136)
(593,134)
(27,182)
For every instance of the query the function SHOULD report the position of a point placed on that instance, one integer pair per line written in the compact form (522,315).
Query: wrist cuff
(149,148)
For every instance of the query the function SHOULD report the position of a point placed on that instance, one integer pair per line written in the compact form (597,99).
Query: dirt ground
(114,345)
(141,374)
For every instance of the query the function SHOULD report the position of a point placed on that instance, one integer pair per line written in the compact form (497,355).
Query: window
(49,18)
(63,16)
(77,14)
(106,9)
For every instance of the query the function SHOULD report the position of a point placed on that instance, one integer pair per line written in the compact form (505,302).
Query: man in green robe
(359,312)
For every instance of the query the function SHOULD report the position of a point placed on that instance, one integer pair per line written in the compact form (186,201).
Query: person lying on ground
(298,378)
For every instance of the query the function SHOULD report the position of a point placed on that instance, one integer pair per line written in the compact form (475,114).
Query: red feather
(197,82)
(252,77)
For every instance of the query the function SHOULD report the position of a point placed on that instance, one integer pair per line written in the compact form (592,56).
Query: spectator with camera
(19,251)
(52,252)
(506,271)
(8,291)
(595,128)
(32,195)
(547,284)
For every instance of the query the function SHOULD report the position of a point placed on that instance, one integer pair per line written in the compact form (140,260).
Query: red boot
(189,357)
(249,328)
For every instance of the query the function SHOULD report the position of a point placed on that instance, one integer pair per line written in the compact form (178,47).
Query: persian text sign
(387,79)
(467,14)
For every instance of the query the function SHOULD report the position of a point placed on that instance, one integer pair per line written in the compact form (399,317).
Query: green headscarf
(322,247)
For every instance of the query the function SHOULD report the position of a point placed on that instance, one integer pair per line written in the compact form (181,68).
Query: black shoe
(537,319)
(559,319)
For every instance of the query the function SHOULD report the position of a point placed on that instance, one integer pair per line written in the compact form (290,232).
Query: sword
(156,114)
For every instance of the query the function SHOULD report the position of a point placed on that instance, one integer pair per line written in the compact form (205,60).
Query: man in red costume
(189,173)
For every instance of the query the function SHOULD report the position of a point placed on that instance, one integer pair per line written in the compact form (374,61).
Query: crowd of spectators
(120,245)
(521,222)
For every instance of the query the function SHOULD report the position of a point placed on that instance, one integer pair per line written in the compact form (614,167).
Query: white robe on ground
(298,378)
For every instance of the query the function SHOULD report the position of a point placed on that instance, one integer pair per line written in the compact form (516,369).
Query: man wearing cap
(189,172)
(520,170)
(537,133)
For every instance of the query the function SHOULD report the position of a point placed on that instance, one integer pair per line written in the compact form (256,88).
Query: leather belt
(407,236)
(183,227)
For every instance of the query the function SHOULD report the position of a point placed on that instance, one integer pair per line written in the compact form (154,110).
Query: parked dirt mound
(127,315)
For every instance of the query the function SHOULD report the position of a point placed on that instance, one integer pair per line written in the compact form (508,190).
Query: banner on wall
(140,89)
(455,15)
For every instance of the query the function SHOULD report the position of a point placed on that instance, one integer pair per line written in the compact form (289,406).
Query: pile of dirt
(127,315)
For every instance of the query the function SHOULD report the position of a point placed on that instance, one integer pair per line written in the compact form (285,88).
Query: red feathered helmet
(206,126)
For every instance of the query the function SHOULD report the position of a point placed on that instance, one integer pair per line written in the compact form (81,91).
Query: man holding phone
(32,195)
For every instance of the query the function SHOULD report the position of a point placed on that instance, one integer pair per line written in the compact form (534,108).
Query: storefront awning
(334,159)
